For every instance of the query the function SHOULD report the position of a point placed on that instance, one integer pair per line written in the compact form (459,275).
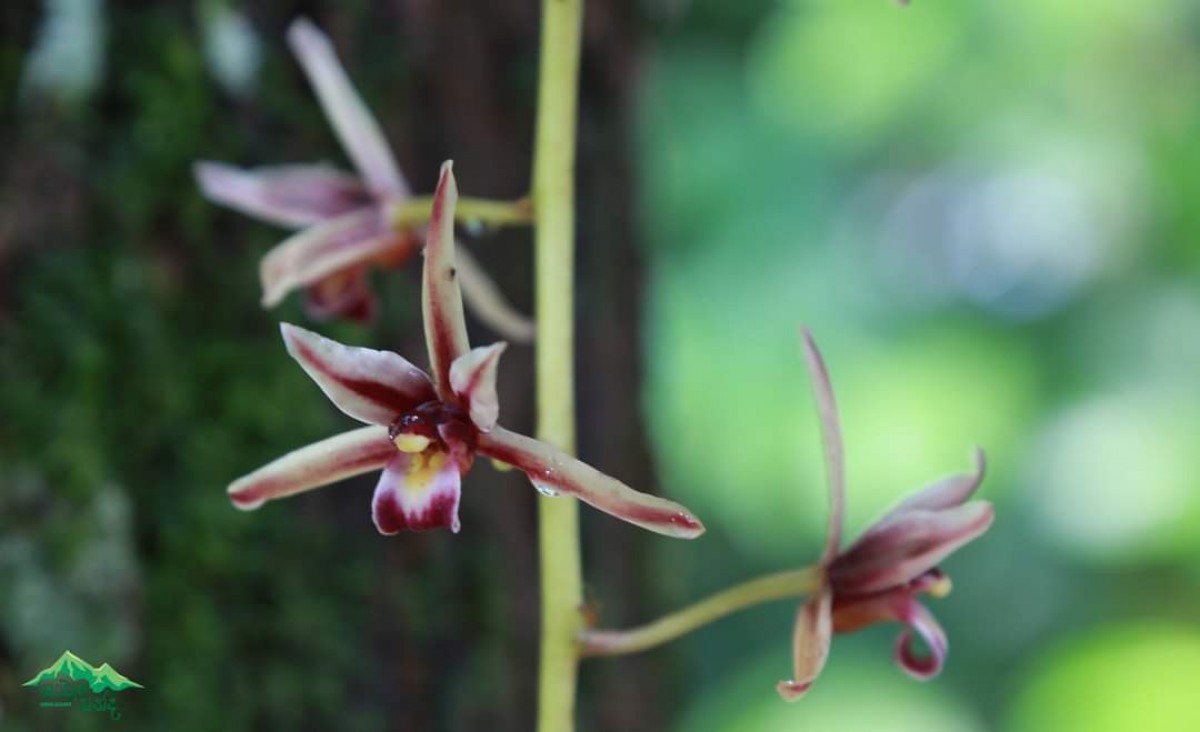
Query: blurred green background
(986,212)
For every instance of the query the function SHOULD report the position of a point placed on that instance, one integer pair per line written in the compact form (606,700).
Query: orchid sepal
(355,239)
(313,466)
(811,639)
(441,298)
(372,386)
(292,196)
(553,472)
(354,124)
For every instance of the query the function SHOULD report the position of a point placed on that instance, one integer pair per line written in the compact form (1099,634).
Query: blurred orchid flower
(880,577)
(425,431)
(345,222)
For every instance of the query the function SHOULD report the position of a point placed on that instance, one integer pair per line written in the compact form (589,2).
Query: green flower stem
(755,592)
(554,252)
(416,211)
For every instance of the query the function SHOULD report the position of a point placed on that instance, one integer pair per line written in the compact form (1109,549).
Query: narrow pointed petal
(908,546)
(441,301)
(831,435)
(473,379)
(345,294)
(485,300)
(356,128)
(553,471)
(321,463)
(810,644)
(946,493)
(353,240)
(293,196)
(372,386)
(921,666)
(417,492)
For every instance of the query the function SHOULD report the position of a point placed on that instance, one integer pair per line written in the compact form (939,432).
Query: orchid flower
(880,577)
(346,222)
(426,429)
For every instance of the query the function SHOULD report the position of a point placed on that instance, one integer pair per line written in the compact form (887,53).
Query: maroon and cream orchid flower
(345,222)
(880,577)
(424,430)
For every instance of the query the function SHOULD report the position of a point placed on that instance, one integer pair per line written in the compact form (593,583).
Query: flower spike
(880,577)
(426,432)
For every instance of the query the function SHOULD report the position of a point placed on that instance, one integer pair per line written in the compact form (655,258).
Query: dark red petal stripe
(390,518)
(445,326)
(314,465)
(558,471)
(376,391)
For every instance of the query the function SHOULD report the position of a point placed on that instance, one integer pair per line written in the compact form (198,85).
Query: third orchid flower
(347,223)
(880,577)
(426,429)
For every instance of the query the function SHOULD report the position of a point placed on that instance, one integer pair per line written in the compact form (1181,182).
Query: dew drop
(545,489)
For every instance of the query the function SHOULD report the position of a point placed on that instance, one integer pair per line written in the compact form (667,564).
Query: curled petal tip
(921,622)
(920,666)
(980,463)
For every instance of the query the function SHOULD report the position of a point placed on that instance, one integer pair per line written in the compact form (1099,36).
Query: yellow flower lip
(941,588)
(411,443)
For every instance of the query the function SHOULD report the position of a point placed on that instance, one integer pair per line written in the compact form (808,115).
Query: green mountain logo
(73,667)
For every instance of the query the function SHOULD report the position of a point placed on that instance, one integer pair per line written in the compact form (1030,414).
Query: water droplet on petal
(545,489)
